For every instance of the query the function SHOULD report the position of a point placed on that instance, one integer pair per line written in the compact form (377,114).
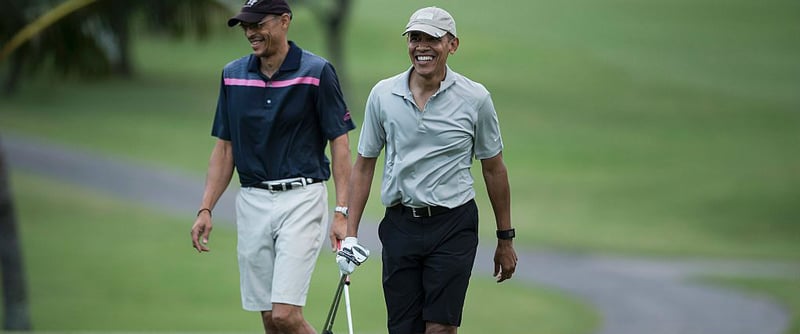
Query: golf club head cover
(351,255)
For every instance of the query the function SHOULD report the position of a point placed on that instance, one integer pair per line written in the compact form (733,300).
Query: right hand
(338,231)
(351,255)
(201,230)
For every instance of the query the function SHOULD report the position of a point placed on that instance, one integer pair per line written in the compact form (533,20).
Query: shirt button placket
(425,111)
(269,100)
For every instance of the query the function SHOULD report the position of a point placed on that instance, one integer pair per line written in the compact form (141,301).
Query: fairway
(623,123)
(101,265)
(649,127)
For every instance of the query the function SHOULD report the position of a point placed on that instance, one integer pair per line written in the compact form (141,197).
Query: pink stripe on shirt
(245,82)
(296,81)
(282,83)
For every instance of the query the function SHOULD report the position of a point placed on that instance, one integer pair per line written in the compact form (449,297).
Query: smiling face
(429,54)
(267,35)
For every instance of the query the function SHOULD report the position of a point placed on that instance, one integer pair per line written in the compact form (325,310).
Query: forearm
(360,183)
(341,165)
(220,172)
(495,175)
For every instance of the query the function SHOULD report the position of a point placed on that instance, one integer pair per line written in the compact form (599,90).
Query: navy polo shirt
(279,127)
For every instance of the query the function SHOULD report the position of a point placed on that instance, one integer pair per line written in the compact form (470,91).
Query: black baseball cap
(253,11)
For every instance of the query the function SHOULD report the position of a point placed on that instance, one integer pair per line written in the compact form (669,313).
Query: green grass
(640,127)
(666,128)
(99,264)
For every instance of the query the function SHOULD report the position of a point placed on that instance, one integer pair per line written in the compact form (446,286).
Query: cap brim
(246,17)
(428,29)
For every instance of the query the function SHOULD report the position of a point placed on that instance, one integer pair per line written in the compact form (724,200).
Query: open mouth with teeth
(256,42)
(424,58)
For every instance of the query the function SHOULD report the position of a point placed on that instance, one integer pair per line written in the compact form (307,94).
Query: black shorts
(427,263)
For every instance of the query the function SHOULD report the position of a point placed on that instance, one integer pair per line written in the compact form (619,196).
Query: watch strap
(506,234)
(341,209)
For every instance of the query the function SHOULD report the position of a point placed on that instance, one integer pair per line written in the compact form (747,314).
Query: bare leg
(437,328)
(269,325)
(288,319)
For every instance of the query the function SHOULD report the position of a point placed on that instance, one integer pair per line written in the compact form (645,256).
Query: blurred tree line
(92,38)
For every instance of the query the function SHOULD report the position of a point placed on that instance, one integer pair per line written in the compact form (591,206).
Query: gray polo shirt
(429,152)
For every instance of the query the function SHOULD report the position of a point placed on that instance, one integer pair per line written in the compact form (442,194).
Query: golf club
(347,296)
(328,328)
(347,305)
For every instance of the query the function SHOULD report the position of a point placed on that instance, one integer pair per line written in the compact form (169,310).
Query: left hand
(201,231)
(505,260)
(338,230)
(351,256)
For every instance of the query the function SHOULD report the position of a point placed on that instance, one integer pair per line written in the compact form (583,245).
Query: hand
(201,230)
(351,255)
(338,230)
(505,260)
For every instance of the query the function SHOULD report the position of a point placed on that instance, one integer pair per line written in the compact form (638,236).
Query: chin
(426,71)
(261,53)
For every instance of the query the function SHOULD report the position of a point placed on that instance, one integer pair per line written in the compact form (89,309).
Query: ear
(286,19)
(453,45)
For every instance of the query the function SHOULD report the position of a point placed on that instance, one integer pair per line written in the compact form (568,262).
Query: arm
(340,156)
(353,254)
(360,183)
(495,175)
(220,171)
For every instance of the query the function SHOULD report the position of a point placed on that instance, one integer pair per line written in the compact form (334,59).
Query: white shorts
(280,235)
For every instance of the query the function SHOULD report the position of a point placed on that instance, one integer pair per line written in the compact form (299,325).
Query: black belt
(286,184)
(426,211)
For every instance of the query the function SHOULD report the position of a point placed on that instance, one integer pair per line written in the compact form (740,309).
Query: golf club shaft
(334,306)
(347,306)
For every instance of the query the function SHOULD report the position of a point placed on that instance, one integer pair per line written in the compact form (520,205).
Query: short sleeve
(221,128)
(373,135)
(333,113)
(488,142)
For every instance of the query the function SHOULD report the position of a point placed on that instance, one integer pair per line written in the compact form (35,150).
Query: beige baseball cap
(433,21)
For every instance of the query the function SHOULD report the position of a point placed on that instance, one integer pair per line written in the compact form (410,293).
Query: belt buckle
(416,215)
(299,182)
(287,184)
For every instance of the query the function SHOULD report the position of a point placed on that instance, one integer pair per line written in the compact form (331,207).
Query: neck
(271,63)
(426,83)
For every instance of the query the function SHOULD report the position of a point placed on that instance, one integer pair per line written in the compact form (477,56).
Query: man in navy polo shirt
(431,121)
(277,110)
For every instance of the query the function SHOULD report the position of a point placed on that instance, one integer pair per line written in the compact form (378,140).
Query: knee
(286,319)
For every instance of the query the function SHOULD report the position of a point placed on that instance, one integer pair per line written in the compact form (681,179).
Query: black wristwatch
(506,234)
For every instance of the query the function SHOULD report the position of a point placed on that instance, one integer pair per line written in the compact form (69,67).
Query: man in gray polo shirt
(431,121)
